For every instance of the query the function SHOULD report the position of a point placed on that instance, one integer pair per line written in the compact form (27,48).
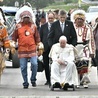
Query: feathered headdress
(24,9)
(2,18)
(78,14)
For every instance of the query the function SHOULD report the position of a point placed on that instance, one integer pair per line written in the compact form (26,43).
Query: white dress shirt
(62,25)
(49,26)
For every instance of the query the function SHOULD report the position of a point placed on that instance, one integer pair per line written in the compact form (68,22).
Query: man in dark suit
(44,31)
(62,27)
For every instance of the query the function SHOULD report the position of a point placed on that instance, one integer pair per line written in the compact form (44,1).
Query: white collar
(62,23)
(49,23)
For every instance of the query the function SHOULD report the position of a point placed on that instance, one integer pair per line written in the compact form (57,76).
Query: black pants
(46,65)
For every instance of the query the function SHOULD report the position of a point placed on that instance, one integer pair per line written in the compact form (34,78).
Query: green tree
(70,1)
(35,3)
(10,2)
(41,3)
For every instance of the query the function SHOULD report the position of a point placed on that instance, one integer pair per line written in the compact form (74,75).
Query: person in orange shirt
(27,35)
(4,41)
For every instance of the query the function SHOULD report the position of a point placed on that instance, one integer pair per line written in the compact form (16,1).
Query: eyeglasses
(62,17)
(80,19)
(50,18)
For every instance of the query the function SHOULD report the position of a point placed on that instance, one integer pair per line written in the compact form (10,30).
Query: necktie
(49,27)
(62,27)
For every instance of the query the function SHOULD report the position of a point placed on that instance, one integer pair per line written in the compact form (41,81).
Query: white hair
(63,38)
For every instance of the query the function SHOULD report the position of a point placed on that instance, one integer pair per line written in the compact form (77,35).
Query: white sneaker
(85,85)
(77,86)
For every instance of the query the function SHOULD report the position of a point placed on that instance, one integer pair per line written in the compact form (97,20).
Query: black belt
(84,43)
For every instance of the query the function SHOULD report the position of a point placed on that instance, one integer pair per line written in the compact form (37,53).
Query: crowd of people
(66,39)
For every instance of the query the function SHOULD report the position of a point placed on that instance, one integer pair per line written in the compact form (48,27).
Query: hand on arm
(62,62)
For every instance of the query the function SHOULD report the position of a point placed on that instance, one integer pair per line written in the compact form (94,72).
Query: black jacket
(56,32)
(43,36)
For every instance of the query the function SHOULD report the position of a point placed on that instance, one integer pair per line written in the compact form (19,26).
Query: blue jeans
(34,66)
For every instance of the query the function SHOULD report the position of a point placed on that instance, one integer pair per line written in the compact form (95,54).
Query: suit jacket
(44,31)
(56,32)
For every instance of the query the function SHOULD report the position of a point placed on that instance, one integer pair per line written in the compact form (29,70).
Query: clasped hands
(62,62)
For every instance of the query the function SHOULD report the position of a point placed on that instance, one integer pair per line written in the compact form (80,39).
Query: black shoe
(25,87)
(52,88)
(66,86)
(56,85)
(34,84)
(47,83)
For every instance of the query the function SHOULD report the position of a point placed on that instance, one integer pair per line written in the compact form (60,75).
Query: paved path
(11,86)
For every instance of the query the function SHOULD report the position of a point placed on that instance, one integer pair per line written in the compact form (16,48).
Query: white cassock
(61,73)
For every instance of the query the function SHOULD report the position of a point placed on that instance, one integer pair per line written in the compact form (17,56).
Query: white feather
(76,12)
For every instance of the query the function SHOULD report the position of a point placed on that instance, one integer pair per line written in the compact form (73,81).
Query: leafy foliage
(34,3)
(42,3)
(10,2)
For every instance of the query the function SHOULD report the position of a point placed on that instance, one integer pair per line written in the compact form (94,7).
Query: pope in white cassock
(63,69)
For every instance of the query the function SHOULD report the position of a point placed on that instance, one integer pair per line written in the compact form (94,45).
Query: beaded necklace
(83,32)
(80,32)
